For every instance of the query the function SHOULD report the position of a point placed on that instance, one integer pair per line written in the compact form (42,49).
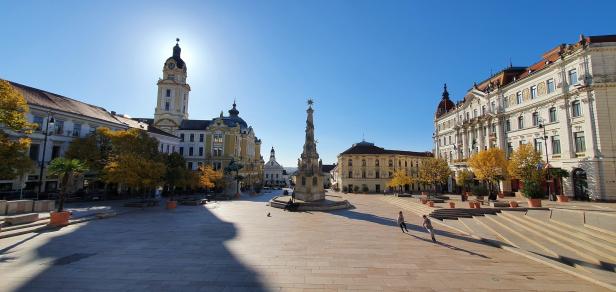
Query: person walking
(401,222)
(428,225)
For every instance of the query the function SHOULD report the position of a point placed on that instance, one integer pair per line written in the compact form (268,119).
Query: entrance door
(580,185)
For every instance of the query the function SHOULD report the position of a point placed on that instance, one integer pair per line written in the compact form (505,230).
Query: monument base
(328,204)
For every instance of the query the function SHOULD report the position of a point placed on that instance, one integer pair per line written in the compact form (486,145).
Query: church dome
(234,119)
(176,56)
(445,105)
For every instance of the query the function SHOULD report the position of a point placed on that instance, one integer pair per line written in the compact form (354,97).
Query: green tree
(66,170)
(234,168)
(13,151)
(434,171)
(94,150)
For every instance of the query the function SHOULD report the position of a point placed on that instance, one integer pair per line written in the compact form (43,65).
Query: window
(190,151)
(219,138)
(535,119)
(391,163)
(199,164)
(468,116)
(34,152)
(182,151)
(533,92)
(483,110)
(55,151)
(190,165)
(377,174)
(59,127)
(573,77)
(350,162)
(509,149)
(580,145)
(376,162)
(363,174)
(167,148)
(507,125)
(217,151)
(399,163)
(192,138)
(267,175)
(171,77)
(200,151)
(493,128)
(314,181)
(173,148)
(520,122)
(350,174)
(552,114)
(538,145)
(474,113)
(200,137)
(39,122)
(76,130)
(167,105)
(168,93)
(556,144)
(182,137)
(363,162)
(576,108)
(518,97)
(505,101)
(550,85)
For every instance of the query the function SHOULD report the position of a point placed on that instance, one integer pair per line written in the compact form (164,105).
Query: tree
(65,169)
(399,179)
(176,173)
(489,166)
(434,171)
(235,167)
(525,165)
(13,152)
(209,178)
(464,178)
(94,150)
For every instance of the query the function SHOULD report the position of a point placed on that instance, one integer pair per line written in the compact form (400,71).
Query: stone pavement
(234,246)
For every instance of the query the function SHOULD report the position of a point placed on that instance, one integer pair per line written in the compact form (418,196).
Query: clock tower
(172,101)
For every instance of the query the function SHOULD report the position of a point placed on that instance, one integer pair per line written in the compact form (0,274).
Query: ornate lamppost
(50,121)
(547,159)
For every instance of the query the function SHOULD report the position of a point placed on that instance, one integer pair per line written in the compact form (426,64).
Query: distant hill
(290,170)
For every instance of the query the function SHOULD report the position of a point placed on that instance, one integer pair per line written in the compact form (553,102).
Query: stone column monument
(309,186)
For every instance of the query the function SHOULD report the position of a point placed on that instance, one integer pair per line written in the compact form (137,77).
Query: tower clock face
(171,65)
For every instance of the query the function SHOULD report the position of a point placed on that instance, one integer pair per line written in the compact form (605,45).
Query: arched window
(350,162)
(363,162)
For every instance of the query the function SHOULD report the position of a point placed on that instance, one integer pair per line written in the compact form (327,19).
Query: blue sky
(374,68)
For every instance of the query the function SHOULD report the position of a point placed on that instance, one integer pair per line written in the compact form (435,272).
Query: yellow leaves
(13,109)
(524,162)
(463,177)
(209,177)
(13,156)
(134,170)
(434,171)
(399,179)
(489,165)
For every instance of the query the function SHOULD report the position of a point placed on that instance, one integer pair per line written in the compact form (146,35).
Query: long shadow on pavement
(157,249)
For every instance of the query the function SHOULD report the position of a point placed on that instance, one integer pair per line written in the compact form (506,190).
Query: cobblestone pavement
(235,246)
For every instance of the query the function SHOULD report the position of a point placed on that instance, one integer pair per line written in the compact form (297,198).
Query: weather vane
(177,40)
(310,101)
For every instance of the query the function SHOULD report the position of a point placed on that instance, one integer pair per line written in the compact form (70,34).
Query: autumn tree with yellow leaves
(434,172)
(524,165)
(489,166)
(399,179)
(13,150)
(210,178)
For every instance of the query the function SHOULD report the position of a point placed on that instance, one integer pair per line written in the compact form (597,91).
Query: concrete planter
(171,205)
(58,219)
(477,205)
(452,205)
(44,206)
(534,203)
(471,205)
(562,198)
(18,207)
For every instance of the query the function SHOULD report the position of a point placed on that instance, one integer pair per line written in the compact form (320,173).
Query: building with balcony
(570,93)
(367,168)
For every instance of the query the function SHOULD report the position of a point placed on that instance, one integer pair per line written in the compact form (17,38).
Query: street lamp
(547,159)
(50,120)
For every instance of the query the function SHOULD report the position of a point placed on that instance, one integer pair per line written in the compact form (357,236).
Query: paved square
(234,246)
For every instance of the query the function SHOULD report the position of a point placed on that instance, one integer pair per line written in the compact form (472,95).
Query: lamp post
(547,159)
(50,120)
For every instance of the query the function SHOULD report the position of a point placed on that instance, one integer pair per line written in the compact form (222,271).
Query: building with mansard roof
(562,104)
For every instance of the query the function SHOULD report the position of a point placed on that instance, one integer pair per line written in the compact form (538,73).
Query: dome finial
(177,41)
(233,111)
(445,92)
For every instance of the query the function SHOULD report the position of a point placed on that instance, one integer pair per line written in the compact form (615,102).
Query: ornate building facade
(569,95)
(367,168)
(275,175)
(216,142)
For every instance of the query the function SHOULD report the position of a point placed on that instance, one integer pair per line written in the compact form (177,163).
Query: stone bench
(21,219)
(2,207)
(18,207)
(44,206)
(499,204)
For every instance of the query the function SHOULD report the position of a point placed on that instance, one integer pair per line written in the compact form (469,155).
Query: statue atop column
(309,185)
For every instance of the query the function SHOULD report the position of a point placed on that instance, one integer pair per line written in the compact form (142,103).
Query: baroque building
(275,175)
(563,104)
(216,142)
(366,167)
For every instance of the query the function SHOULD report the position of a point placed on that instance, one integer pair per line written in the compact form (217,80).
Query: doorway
(580,185)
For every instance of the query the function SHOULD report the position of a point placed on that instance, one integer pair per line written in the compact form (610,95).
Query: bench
(21,219)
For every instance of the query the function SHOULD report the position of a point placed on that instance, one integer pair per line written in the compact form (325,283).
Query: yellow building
(367,168)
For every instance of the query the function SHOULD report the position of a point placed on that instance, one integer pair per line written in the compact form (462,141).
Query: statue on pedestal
(309,185)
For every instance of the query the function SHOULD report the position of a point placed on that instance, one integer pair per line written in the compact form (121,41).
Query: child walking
(401,222)
(428,225)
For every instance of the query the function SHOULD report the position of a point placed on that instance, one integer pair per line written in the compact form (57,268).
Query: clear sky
(374,68)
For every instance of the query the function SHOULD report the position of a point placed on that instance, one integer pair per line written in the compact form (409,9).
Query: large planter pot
(452,205)
(562,198)
(423,200)
(431,204)
(477,205)
(471,205)
(58,219)
(513,204)
(534,203)
(172,204)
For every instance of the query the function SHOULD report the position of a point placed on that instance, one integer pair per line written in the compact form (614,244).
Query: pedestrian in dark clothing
(401,222)
(428,225)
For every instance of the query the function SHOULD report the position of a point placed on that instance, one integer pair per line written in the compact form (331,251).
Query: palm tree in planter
(65,169)
(559,174)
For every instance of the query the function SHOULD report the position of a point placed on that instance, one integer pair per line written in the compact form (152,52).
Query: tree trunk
(65,178)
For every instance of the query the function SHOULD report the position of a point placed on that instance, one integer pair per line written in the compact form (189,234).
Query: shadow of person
(449,246)
(154,249)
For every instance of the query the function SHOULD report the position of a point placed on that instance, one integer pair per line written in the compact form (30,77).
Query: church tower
(172,101)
